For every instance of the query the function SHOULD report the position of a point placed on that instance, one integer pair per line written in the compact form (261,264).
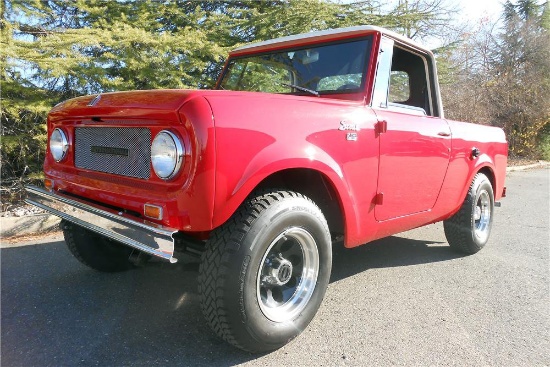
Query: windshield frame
(294,48)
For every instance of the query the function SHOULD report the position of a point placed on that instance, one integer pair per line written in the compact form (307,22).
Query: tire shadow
(57,312)
(387,252)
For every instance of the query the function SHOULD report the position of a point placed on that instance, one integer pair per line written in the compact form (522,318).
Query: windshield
(326,69)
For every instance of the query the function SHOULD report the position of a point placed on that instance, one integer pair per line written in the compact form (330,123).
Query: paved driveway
(404,300)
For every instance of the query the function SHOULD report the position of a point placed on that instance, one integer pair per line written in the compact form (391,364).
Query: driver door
(414,146)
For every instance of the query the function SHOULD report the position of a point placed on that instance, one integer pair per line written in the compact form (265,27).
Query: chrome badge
(344,125)
(94,101)
(348,126)
(351,136)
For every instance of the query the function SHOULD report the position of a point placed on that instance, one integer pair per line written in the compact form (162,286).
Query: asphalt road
(405,300)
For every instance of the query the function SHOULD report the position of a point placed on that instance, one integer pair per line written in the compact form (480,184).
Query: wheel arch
(321,184)
(485,165)
(484,168)
(488,171)
(317,187)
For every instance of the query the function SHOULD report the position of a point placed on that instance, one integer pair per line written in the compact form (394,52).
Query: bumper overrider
(145,236)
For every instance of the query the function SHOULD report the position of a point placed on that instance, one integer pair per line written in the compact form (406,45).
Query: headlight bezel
(58,152)
(179,154)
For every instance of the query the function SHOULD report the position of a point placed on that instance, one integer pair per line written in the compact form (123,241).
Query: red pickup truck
(306,142)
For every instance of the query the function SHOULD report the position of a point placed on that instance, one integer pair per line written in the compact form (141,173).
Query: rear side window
(409,83)
(400,90)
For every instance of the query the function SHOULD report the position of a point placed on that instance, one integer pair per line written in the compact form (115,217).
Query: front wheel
(95,250)
(264,273)
(468,230)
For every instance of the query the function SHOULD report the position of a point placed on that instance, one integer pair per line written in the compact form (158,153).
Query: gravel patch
(21,210)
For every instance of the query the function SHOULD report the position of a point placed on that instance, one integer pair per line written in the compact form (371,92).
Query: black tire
(96,251)
(468,230)
(254,290)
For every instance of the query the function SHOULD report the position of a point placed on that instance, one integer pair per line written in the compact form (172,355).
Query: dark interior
(414,66)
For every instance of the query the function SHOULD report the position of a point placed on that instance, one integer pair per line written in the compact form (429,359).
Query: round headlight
(166,154)
(58,144)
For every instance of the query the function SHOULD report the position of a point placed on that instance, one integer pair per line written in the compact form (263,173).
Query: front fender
(262,166)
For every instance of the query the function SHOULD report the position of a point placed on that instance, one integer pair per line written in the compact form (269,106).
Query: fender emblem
(344,125)
(351,136)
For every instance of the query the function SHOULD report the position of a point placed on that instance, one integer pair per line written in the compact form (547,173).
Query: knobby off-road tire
(469,229)
(264,273)
(96,251)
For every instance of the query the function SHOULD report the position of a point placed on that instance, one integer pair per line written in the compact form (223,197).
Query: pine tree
(518,95)
(52,50)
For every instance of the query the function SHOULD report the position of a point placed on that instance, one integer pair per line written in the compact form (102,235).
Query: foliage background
(52,50)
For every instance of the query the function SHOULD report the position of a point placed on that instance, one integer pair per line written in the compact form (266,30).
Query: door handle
(381,127)
(444,133)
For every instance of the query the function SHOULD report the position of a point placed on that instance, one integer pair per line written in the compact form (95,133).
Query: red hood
(143,103)
(161,104)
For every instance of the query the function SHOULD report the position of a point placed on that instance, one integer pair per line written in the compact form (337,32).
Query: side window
(409,82)
(399,87)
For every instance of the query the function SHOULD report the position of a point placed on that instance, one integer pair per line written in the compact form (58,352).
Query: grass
(545,147)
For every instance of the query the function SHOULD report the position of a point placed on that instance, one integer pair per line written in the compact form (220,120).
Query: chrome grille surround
(116,150)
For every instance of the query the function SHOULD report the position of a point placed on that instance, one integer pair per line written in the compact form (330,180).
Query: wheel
(468,230)
(96,251)
(264,273)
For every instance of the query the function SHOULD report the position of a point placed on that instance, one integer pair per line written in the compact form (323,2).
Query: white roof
(330,32)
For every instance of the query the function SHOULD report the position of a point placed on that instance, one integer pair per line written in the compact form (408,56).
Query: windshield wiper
(311,91)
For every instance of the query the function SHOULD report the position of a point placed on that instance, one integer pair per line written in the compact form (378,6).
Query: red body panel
(421,167)
(260,134)
(413,163)
(187,200)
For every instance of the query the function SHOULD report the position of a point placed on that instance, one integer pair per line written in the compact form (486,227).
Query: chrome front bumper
(143,235)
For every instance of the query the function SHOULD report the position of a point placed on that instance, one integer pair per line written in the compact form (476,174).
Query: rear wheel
(96,251)
(264,273)
(469,229)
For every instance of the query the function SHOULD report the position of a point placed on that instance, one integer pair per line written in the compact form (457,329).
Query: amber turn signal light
(48,184)
(152,211)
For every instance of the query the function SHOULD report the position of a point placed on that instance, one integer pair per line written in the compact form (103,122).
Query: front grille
(120,151)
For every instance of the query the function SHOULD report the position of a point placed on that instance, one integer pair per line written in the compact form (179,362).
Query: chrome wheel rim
(287,275)
(482,215)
